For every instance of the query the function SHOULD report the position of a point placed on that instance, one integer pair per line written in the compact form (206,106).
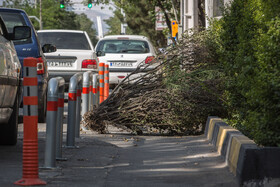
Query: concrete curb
(251,164)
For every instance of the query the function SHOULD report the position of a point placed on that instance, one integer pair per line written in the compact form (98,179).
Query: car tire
(42,111)
(9,131)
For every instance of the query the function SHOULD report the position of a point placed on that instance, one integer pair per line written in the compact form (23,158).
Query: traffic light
(174,28)
(62,5)
(89,4)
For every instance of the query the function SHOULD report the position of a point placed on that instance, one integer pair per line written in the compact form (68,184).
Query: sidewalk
(121,160)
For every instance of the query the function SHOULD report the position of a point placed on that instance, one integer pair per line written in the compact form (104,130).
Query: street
(121,159)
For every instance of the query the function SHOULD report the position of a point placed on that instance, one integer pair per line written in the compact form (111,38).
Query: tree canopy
(140,17)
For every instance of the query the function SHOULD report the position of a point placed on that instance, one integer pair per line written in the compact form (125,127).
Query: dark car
(29,48)
(10,82)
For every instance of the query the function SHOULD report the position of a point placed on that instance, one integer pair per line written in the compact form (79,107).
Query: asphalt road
(120,159)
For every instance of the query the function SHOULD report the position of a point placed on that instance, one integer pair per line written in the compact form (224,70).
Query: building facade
(190,13)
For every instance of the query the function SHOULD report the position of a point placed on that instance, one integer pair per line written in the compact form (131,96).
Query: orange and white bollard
(106,86)
(30,165)
(101,82)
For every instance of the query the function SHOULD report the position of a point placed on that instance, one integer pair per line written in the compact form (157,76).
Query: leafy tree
(85,24)
(249,56)
(140,17)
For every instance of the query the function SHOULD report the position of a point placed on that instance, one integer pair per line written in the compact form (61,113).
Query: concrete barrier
(251,164)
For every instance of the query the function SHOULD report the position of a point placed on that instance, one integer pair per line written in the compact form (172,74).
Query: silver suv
(75,52)
(10,91)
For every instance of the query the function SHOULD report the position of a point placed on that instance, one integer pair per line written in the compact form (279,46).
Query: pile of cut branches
(175,94)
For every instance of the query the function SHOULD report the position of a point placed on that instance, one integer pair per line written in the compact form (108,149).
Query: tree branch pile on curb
(175,94)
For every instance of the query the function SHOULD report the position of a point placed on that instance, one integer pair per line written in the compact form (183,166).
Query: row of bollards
(86,90)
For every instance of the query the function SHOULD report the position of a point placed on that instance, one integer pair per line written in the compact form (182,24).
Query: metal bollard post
(106,86)
(95,86)
(59,122)
(90,101)
(86,90)
(101,82)
(55,86)
(30,173)
(75,81)
(78,111)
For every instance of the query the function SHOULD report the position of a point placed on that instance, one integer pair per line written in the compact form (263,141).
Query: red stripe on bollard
(30,100)
(94,90)
(52,106)
(60,102)
(85,90)
(30,62)
(30,81)
(72,96)
(79,93)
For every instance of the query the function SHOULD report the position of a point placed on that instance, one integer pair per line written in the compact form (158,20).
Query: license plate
(121,64)
(60,64)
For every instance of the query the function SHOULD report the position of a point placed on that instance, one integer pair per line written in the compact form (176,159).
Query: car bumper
(116,75)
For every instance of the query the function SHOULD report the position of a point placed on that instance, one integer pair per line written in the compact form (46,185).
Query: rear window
(65,40)
(123,46)
(14,19)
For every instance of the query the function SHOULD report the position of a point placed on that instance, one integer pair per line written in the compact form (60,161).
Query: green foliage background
(248,38)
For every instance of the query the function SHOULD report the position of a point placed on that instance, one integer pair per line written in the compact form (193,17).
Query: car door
(13,68)
(3,74)
(9,71)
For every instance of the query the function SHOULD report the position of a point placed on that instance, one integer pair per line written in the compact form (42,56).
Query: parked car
(124,53)
(75,52)
(10,68)
(29,47)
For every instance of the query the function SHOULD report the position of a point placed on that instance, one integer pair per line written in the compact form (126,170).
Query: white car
(74,52)
(124,53)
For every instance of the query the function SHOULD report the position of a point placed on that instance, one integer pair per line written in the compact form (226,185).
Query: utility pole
(41,22)
(123,24)
(175,12)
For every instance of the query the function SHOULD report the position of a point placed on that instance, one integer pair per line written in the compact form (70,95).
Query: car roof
(130,37)
(12,10)
(61,30)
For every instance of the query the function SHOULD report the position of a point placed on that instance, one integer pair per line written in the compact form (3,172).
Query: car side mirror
(100,53)
(21,32)
(49,48)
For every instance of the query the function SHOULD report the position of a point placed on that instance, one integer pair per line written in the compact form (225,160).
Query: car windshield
(64,40)
(123,46)
(14,19)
